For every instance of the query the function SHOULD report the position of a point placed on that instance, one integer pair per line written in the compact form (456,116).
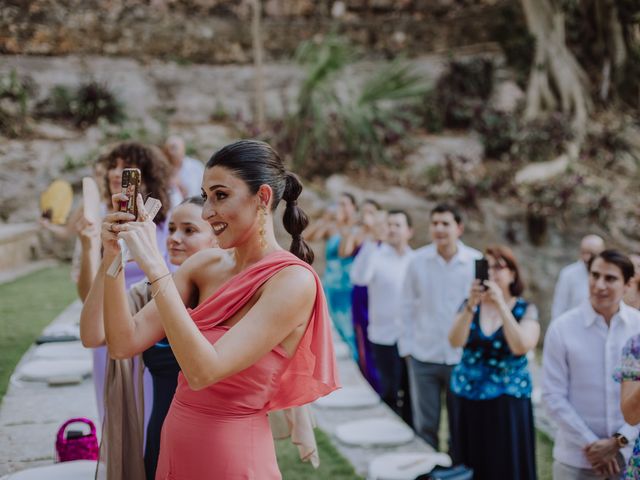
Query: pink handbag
(75,445)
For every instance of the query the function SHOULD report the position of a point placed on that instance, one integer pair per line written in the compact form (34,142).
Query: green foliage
(498,131)
(26,307)
(332,465)
(15,93)
(337,119)
(460,94)
(83,106)
(543,139)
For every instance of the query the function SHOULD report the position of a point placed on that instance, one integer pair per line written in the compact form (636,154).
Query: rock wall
(218,31)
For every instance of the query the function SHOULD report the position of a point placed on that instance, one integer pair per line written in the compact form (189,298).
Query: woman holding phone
(188,234)
(249,328)
(492,428)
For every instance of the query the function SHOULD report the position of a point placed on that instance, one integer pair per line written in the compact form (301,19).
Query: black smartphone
(482,270)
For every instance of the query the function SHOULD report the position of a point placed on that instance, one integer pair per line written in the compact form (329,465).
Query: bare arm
(318,230)
(521,336)
(273,318)
(459,332)
(91,323)
(630,402)
(90,256)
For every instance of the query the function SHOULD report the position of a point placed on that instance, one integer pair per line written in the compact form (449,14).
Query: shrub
(83,106)
(459,95)
(543,139)
(498,131)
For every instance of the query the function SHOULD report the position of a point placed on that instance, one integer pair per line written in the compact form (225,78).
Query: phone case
(131,179)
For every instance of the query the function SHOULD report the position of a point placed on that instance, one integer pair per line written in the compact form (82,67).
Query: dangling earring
(263,222)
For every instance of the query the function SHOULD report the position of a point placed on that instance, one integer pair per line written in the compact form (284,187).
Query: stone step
(19,245)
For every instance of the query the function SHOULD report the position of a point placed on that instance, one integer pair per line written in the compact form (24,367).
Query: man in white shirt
(437,282)
(572,288)
(190,170)
(582,348)
(381,267)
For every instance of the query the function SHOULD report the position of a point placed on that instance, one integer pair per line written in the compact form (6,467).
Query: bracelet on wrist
(159,278)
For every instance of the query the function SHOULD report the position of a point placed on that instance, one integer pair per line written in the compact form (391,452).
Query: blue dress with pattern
(629,371)
(492,428)
(337,286)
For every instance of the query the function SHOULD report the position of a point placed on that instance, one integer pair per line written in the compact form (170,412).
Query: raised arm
(281,313)
(521,336)
(91,323)
(89,257)
(364,265)
(459,332)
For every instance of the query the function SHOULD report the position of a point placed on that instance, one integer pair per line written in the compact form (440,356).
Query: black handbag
(459,472)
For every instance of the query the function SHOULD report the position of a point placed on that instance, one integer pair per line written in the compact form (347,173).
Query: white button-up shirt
(382,270)
(432,295)
(191,173)
(572,288)
(580,356)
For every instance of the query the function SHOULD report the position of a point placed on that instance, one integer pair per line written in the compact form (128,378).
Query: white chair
(54,371)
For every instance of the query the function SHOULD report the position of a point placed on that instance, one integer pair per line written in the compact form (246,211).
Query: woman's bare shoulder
(293,280)
(204,260)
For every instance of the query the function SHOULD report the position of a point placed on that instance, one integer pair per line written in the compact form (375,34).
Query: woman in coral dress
(249,327)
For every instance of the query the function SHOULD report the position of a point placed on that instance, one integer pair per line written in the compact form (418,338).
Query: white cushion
(62,329)
(406,466)
(62,351)
(374,432)
(74,470)
(350,397)
(54,370)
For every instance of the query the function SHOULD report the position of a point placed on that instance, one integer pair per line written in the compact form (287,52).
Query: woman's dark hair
(154,169)
(504,255)
(618,259)
(351,198)
(371,201)
(195,200)
(256,163)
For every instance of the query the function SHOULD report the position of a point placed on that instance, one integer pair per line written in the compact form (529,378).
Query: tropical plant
(339,119)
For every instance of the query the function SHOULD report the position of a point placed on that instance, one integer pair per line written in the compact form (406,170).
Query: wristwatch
(621,440)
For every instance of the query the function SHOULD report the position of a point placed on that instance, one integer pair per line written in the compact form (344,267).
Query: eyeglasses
(497,267)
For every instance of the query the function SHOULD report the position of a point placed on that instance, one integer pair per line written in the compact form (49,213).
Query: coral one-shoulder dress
(222,431)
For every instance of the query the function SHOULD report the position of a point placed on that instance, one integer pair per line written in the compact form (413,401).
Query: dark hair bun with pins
(256,163)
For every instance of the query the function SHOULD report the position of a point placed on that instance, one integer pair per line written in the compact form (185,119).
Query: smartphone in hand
(482,270)
(131,178)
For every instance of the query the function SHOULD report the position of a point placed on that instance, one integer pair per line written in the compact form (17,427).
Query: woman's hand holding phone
(140,237)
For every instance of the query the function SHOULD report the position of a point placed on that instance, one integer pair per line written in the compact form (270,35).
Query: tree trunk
(256,33)
(554,64)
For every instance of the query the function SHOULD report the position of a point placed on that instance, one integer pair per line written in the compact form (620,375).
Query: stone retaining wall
(218,31)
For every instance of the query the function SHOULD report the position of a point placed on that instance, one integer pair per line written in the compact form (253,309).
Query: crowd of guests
(431,331)
(419,323)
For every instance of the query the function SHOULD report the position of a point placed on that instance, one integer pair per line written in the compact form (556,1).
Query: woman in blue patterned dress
(492,428)
(336,280)
(629,376)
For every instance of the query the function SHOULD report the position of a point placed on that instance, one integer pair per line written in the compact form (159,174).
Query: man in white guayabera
(582,349)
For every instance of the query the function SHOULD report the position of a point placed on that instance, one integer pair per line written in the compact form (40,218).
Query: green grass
(544,455)
(27,306)
(332,464)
